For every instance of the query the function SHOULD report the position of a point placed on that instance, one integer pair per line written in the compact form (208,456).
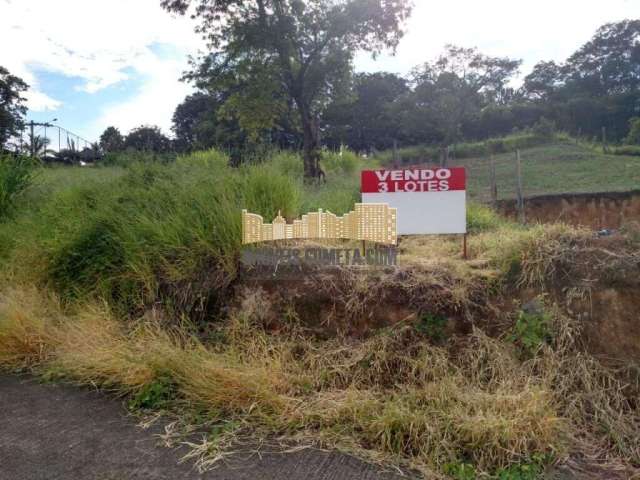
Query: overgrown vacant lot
(559,167)
(129,279)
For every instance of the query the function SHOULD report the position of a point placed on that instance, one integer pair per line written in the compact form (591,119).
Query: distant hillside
(561,167)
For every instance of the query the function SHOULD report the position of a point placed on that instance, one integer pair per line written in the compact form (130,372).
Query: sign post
(428,200)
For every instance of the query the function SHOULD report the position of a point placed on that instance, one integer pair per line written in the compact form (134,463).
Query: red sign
(418,180)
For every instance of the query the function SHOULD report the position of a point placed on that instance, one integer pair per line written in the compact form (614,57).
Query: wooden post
(492,178)
(519,190)
(604,139)
(464,247)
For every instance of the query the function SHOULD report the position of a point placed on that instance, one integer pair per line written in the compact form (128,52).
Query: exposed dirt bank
(607,210)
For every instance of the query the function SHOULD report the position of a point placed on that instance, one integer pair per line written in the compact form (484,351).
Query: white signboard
(429,200)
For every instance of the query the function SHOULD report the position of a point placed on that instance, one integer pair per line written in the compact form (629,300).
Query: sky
(96,63)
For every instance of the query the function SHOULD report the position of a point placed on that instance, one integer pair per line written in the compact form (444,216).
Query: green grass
(550,165)
(96,262)
(137,236)
(553,169)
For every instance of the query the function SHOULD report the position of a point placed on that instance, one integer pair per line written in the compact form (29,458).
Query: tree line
(281,73)
(463,95)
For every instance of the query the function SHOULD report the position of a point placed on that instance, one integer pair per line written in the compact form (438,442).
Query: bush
(345,162)
(544,128)
(633,138)
(531,331)
(267,192)
(543,134)
(16,175)
(632,150)
(481,218)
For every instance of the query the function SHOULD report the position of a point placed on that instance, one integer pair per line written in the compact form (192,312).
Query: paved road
(52,432)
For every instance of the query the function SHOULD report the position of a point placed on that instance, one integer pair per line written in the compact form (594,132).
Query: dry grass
(395,396)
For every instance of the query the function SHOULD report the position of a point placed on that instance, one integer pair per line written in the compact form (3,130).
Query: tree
(452,91)
(633,138)
(367,121)
(610,62)
(39,146)
(111,140)
(148,139)
(194,122)
(545,79)
(12,108)
(199,122)
(291,53)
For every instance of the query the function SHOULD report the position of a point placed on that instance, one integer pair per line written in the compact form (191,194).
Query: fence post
(492,178)
(604,140)
(519,192)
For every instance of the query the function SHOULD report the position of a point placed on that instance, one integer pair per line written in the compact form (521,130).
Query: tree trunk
(311,145)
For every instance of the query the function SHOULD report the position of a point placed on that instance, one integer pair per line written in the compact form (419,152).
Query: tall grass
(16,175)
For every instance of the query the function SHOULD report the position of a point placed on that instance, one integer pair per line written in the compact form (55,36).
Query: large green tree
(12,107)
(291,54)
(452,91)
(610,62)
(147,138)
(111,140)
(366,120)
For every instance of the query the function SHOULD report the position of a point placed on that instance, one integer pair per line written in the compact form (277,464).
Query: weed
(531,331)
(155,395)
(433,327)
(16,175)
(460,471)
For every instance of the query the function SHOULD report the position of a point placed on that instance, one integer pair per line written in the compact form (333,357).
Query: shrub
(544,128)
(345,162)
(633,138)
(531,331)
(481,218)
(632,150)
(433,326)
(420,154)
(16,175)
(154,395)
(266,191)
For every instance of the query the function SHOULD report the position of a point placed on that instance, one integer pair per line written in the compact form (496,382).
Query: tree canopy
(148,139)
(289,54)
(12,107)
(111,140)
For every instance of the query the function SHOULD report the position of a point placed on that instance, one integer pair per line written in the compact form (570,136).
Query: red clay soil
(598,211)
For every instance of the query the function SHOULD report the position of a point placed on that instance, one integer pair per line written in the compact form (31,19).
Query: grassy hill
(556,168)
(559,167)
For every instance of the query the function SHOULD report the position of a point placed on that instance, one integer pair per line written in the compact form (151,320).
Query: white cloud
(106,42)
(41,102)
(154,103)
(98,42)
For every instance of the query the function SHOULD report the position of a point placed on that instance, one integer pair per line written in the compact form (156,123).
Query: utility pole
(32,124)
(31,139)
